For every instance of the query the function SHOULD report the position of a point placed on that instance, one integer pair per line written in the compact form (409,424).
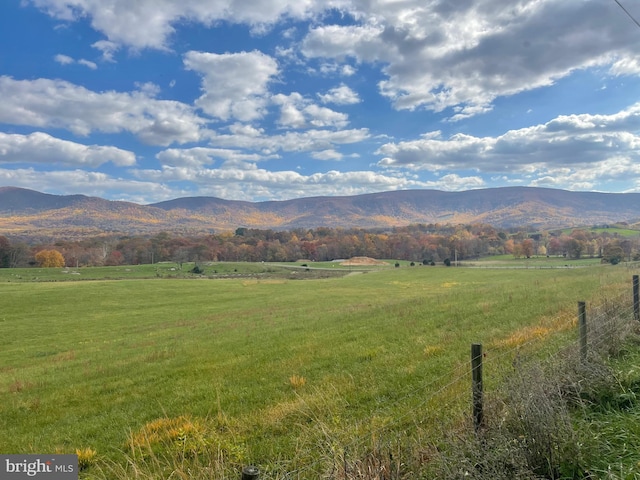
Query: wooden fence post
(636,297)
(250,473)
(477,388)
(582,326)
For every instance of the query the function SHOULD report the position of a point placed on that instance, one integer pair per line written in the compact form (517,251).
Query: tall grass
(561,417)
(379,361)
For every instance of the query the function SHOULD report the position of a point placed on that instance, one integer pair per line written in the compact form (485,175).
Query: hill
(26,212)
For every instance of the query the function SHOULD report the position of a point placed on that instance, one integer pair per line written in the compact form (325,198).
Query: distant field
(271,370)
(168,270)
(533,262)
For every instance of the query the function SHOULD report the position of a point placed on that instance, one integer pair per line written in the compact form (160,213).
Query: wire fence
(561,340)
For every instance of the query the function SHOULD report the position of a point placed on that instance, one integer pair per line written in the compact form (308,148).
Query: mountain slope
(26,212)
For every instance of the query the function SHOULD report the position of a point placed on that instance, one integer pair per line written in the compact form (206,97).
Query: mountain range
(29,213)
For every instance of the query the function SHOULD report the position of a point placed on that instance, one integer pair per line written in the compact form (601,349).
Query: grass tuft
(86,457)
(297,381)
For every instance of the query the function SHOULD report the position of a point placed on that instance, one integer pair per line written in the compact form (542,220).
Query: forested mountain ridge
(27,212)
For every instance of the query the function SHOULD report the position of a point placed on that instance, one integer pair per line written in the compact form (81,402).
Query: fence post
(636,297)
(477,388)
(250,473)
(582,326)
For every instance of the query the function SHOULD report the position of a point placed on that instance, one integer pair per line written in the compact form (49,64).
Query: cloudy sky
(148,100)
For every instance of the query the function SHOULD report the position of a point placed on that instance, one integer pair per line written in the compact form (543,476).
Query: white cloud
(330,154)
(200,156)
(63,59)
(251,183)
(438,55)
(107,48)
(325,117)
(88,64)
(67,182)
(67,60)
(60,104)
(435,55)
(451,57)
(341,95)
(299,112)
(235,85)
(305,141)
(363,42)
(455,183)
(333,68)
(150,23)
(574,150)
(42,148)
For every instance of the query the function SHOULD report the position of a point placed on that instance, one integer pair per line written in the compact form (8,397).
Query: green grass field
(509,261)
(266,369)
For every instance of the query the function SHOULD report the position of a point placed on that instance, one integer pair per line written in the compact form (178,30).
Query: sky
(256,100)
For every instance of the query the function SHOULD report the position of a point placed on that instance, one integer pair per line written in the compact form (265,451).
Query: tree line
(433,243)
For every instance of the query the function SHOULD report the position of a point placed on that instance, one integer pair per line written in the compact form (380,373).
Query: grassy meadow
(263,369)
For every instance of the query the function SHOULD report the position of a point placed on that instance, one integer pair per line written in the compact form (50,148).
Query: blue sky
(276,99)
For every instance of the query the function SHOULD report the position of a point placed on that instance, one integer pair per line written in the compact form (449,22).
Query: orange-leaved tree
(50,258)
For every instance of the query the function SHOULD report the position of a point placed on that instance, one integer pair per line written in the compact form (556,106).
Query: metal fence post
(477,387)
(636,297)
(582,326)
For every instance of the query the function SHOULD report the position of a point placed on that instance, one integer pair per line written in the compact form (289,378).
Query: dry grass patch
(546,327)
(297,381)
(86,457)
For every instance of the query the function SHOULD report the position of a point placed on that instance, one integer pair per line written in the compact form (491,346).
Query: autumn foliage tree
(49,258)
(5,250)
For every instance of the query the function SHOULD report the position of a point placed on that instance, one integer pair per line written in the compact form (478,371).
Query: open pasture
(268,371)
(537,261)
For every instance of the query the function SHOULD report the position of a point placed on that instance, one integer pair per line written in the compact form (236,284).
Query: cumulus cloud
(88,64)
(236,182)
(299,112)
(67,60)
(341,95)
(77,181)
(247,144)
(201,156)
(440,56)
(107,48)
(330,154)
(235,85)
(436,55)
(572,149)
(63,59)
(455,183)
(42,148)
(60,104)
(455,58)
(291,141)
(150,23)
